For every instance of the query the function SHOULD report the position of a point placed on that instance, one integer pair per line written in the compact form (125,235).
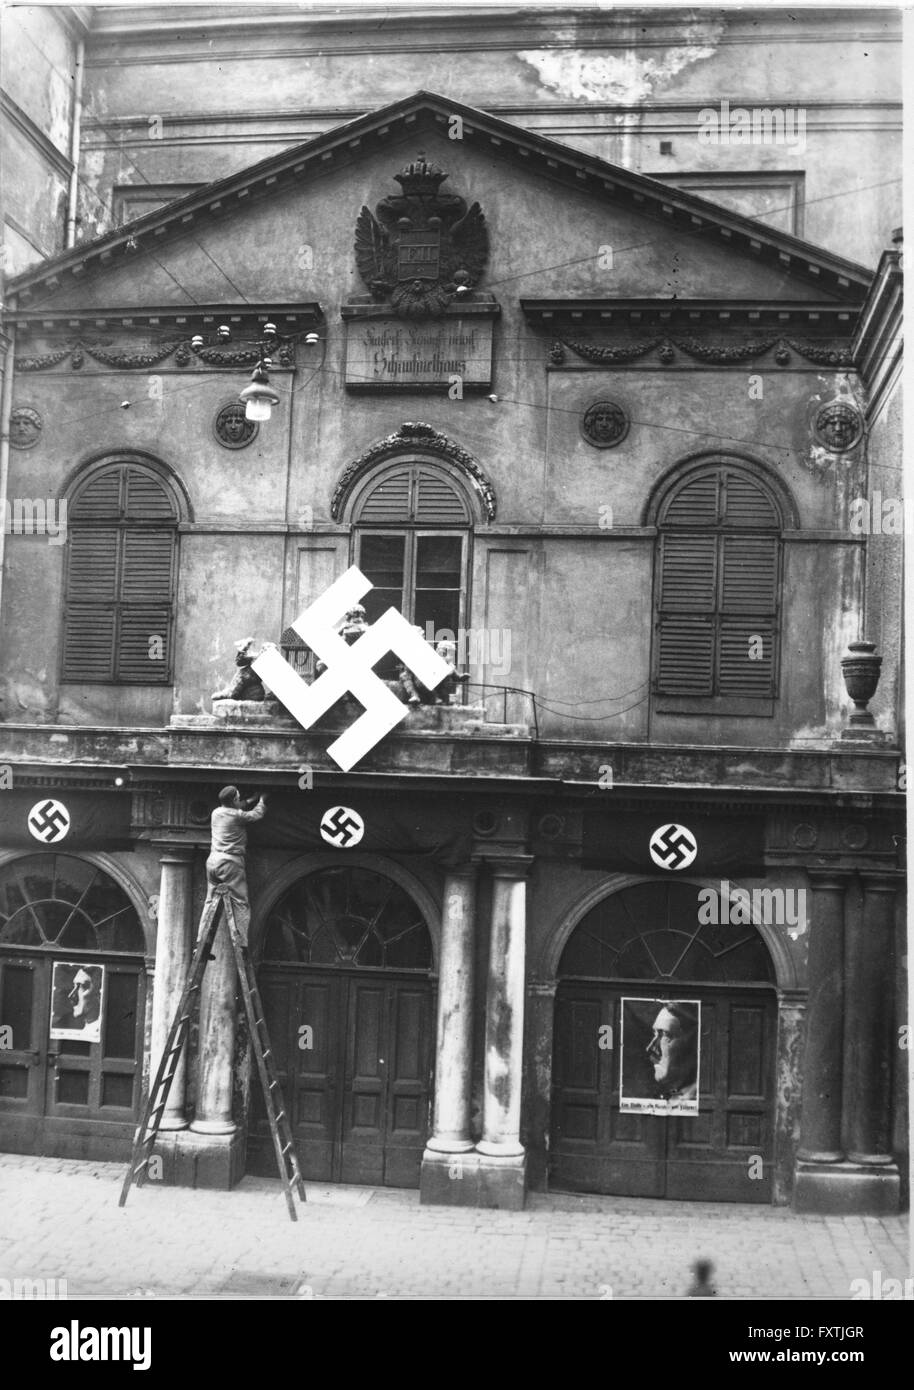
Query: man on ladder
(225,867)
(227,893)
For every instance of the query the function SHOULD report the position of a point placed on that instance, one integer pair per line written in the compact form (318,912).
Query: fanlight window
(653,931)
(53,901)
(348,918)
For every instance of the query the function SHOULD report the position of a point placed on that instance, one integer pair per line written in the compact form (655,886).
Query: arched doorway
(652,944)
(72,1007)
(349,1003)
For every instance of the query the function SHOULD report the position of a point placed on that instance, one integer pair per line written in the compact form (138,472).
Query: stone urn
(860,669)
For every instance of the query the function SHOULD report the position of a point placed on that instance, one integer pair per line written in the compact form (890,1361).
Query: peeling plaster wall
(632,76)
(37,59)
(613,84)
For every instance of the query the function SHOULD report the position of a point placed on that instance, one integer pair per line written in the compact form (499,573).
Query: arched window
(59,902)
(717,593)
(663,932)
(412,536)
(121,572)
(348,919)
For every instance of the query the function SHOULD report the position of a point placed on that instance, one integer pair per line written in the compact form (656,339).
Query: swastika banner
(60,819)
(315,820)
(673,841)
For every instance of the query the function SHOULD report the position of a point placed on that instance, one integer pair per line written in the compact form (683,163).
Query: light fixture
(311,339)
(223,332)
(259,398)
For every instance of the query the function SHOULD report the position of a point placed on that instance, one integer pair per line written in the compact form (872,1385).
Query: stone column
(868,1027)
(174,947)
(538,1081)
(505,1010)
(788,1088)
(454,1050)
(820,1124)
(216,1046)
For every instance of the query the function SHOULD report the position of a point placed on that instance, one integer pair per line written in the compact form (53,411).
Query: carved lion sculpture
(419,694)
(245,684)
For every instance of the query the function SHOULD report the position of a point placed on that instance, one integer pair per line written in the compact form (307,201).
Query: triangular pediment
(550,210)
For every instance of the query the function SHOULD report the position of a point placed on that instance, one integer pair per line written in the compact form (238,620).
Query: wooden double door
(724,1153)
(355,1055)
(62,1097)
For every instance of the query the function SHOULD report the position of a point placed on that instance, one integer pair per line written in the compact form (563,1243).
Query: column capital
(468,870)
(171,853)
(544,989)
(827,879)
(510,865)
(881,880)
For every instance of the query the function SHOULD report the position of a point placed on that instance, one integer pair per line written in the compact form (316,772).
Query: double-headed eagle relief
(424,248)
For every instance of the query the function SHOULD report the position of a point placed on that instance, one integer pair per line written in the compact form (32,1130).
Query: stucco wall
(578,600)
(613,84)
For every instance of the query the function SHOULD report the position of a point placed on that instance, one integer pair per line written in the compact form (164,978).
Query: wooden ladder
(280,1127)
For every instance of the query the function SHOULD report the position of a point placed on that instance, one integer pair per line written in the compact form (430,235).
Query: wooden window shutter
(91,620)
(688,573)
(718,589)
(748,609)
(688,591)
(686,659)
(415,493)
(145,610)
(438,500)
(389,500)
(121,554)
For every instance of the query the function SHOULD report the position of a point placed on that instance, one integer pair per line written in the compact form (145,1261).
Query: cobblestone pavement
(59,1219)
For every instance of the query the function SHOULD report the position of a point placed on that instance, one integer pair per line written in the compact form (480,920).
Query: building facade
(613,439)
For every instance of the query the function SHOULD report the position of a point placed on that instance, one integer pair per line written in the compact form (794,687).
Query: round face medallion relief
(231,428)
(838,427)
(25,427)
(604,424)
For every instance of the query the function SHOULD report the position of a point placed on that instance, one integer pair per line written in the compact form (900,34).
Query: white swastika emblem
(342,827)
(673,847)
(349,668)
(49,821)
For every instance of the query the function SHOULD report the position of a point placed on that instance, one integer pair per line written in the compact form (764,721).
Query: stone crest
(424,248)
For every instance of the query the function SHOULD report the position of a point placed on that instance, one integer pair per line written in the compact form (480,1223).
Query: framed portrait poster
(660,1056)
(77,1001)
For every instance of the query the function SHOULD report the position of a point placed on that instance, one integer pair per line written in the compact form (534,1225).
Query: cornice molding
(685,213)
(878,342)
(35,135)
